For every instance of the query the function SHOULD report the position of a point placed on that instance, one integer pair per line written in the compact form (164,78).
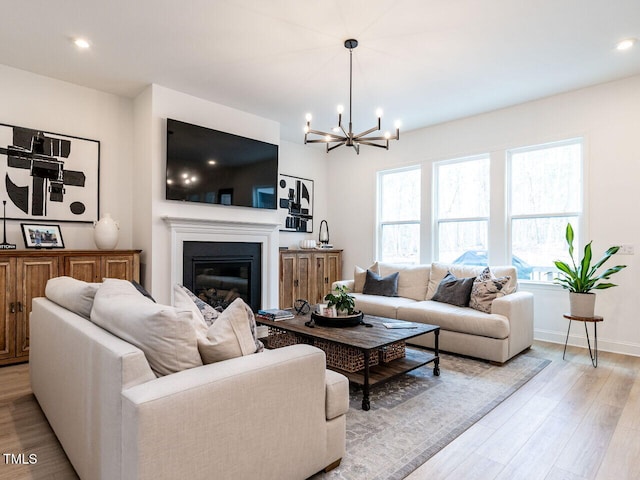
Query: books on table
(400,325)
(275,314)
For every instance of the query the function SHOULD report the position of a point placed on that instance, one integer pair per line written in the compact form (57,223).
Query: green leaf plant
(341,300)
(582,277)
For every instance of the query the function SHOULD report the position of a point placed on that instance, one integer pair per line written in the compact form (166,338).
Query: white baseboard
(577,340)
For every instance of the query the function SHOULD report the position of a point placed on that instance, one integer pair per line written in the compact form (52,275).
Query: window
(545,193)
(461,213)
(399,215)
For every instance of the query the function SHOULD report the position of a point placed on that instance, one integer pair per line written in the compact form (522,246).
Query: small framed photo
(37,235)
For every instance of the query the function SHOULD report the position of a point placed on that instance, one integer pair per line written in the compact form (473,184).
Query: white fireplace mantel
(206,230)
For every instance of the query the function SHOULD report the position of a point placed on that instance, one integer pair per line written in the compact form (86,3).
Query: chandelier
(339,136)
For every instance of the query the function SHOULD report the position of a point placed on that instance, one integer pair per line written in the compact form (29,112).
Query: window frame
(436,220)
(580,214)
(380,224)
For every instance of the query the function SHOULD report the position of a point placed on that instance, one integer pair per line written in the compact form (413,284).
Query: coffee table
(368,340)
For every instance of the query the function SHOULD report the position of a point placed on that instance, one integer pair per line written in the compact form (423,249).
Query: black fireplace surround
(220,272)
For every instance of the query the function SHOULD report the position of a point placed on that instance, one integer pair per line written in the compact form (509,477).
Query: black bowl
(338,322)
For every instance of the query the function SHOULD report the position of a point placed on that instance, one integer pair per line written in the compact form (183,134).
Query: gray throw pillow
(454,291)
(387,286)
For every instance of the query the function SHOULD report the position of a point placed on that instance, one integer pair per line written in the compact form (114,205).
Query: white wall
(132,175)
(152,108)
(306,161)
(38,102)
(607,116)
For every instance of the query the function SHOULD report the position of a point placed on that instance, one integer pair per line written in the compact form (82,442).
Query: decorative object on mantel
(580,278)
(339,135)
(48,176)
(4,245)
(295,204)
(307,244)
(105,232)
(42,236)
(323,236)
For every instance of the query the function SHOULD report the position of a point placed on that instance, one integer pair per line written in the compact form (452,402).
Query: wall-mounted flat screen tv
(210,166)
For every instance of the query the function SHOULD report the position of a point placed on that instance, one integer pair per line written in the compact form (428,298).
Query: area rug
(416,415)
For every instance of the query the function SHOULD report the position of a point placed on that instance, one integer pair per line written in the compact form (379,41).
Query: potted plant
(581,277)
(345,304)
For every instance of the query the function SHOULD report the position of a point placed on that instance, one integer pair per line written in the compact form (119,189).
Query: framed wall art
(295,204)
(49,176)
(41,236)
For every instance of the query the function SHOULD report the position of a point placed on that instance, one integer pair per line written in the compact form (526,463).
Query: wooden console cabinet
(308,274)
(24,275)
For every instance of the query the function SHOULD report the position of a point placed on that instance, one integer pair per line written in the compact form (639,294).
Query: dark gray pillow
(374,284)
(455,291)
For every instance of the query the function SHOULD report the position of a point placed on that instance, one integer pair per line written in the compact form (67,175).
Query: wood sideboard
(24,275)
(308,274)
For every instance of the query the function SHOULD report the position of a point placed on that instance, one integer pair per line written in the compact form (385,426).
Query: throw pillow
(209,314)
(454,291)
(165,334)
(206,315)
(74,295)
(142,290)
(486,288)
(229,336)
(360,275)
(387,286)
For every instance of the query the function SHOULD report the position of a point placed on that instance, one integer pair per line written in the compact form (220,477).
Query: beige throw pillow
(360,275)
(165,334)
(183,301)
(229,336)
(74,295)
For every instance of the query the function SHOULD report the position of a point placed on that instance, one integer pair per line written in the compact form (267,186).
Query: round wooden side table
(585,320)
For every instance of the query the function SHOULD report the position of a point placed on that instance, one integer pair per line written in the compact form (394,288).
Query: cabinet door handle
(295,283)
(20,307)
(12,307)
(326,279)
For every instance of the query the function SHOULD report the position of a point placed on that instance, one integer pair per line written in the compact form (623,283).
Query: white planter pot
(582,304)
(105,233)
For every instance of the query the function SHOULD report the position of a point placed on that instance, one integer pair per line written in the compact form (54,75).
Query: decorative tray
(342,321)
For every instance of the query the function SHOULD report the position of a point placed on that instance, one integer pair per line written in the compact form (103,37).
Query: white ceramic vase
(105,232)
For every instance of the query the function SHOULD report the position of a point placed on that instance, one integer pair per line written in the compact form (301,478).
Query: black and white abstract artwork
(49,176)
(295,204)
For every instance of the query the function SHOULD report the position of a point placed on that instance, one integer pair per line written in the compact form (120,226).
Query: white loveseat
(496,336)
(277,414)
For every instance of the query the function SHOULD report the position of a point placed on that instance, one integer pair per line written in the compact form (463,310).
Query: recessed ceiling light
(81,43)
(212,162)
(625,44)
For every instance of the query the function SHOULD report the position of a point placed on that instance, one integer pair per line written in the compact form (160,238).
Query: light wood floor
(570,422)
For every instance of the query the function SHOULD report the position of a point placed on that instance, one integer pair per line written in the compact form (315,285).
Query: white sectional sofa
(278,414)
(496,336)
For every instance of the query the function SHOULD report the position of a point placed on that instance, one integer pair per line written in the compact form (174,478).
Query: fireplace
(186,230)
(220,272)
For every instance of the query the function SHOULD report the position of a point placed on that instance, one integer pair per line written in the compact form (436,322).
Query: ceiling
(423,61)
